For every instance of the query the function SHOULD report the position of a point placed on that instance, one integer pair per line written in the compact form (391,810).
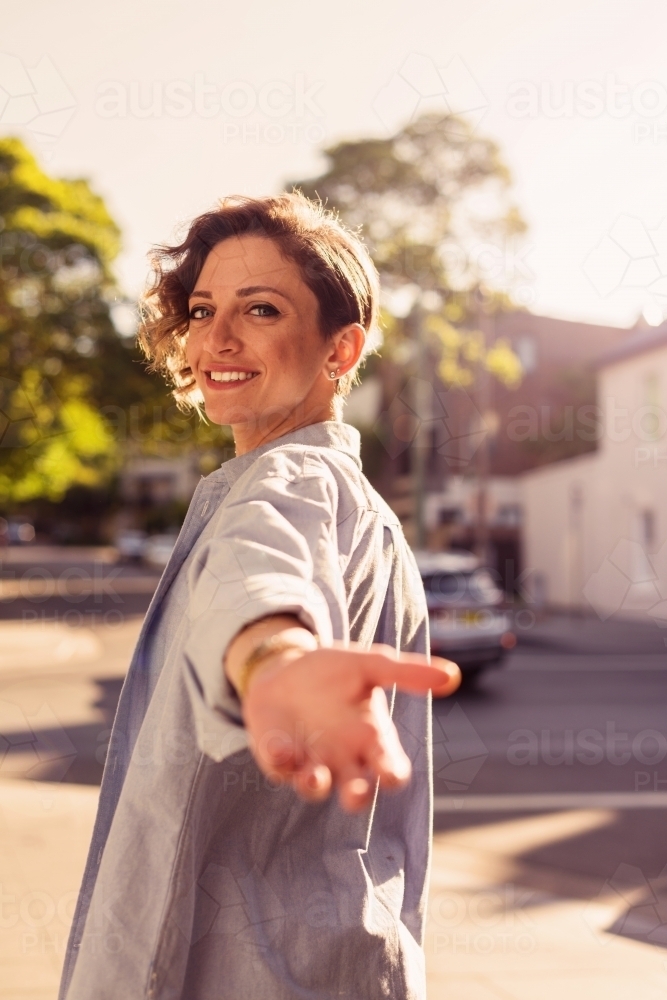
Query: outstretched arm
(319,718)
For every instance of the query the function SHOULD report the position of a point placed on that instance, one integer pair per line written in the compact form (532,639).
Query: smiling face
(254,343)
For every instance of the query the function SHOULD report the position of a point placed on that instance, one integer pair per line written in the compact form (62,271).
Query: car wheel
(470,676)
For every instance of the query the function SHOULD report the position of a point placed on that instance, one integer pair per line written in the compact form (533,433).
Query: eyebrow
(242,292)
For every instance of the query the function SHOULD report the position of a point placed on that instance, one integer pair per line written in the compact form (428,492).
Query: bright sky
(246,93)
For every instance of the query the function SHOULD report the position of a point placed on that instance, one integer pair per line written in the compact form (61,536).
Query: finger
(312,782)
(412,672)
(384,755)
(451,684)
(355,788)
(275,753)
(391,764)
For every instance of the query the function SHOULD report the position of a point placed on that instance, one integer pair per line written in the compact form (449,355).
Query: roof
(638,343)
(560,341)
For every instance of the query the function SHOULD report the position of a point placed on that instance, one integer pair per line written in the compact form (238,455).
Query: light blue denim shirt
(204,880)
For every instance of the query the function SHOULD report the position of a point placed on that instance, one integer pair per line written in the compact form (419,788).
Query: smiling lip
(228,376)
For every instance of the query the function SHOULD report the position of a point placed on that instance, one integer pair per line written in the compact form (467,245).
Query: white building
(595,527)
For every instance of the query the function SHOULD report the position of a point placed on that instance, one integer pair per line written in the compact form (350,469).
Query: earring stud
(333,374)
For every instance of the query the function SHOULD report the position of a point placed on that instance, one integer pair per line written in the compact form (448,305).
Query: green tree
(434,207)
(433,203)
(75,397)
(57,242)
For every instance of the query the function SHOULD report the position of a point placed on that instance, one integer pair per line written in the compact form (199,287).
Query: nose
(221,336)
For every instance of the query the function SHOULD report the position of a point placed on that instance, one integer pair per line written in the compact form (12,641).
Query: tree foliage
(433,204)
(75,397)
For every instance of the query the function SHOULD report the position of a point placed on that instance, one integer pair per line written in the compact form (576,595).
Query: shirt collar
(327,434)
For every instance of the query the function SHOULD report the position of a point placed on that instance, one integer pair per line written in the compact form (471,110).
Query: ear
(346,347)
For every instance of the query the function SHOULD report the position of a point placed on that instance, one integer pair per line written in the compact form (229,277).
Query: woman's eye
(264,309)
(197,312)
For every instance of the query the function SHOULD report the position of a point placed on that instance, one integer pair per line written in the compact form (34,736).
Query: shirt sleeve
(274,552)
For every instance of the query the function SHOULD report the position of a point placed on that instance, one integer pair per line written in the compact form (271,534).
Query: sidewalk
(502,929)
(44,834)
(52,708)
(498,928)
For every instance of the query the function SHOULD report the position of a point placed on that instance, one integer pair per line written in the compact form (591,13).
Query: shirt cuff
(216,705)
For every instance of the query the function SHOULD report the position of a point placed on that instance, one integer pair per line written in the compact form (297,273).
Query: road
(588,726)
(77,587)
(550,845)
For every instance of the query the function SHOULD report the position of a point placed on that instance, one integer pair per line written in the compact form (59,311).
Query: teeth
(231,376)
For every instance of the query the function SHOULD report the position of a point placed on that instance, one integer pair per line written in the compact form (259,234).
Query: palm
(320,719)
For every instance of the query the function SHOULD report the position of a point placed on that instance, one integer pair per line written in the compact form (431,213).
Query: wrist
(271,651)
(250,636)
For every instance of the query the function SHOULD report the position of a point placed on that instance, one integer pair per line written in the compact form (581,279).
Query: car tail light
(508,640)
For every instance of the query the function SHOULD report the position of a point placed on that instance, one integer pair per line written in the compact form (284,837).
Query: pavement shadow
(72,754)
(614,863)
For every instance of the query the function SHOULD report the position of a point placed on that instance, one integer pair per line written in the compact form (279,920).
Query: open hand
(320,720)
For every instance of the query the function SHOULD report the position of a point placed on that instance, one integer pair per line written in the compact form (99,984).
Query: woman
(257,834)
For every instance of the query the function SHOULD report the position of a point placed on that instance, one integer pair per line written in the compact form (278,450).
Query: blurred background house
(476,447)
(594,531)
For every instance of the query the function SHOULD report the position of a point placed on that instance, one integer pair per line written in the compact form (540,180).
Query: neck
(251,435)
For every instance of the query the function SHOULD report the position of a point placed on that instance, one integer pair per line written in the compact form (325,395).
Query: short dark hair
(332,259)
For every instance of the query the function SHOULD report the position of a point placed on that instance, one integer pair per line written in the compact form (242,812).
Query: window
(448,588)
(509,514)
(652,422)
(526,348)
(647,527)
(450,515)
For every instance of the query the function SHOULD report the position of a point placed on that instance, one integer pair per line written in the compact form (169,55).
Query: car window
(483,585)
(448,587)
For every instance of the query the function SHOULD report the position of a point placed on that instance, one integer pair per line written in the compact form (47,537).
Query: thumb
(412,672)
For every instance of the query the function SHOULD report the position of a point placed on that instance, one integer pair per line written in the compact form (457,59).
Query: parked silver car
(466,618)
(130,544)
(158,548)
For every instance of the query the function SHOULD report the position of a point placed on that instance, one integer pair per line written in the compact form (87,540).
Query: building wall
(554,393)
(558,549)
(595,527)
(160,480)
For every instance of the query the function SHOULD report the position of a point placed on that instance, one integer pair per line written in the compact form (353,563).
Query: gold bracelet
(268,647)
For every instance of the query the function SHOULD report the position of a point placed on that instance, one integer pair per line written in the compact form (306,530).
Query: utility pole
(486,324)
(420,403)
(417,451)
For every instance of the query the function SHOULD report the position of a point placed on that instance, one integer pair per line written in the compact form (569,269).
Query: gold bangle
(268,647)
